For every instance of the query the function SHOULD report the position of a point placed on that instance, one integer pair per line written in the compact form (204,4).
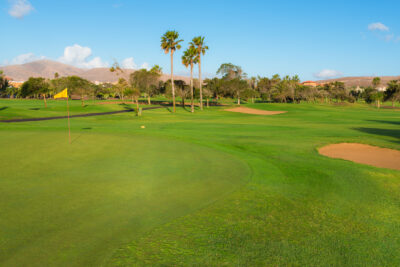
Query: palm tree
(376,82)
(199,45)
(170,43)
(190,58)
(156,69)
(134,93)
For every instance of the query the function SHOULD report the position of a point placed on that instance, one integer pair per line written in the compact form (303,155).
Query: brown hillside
(361,81)
(47,69)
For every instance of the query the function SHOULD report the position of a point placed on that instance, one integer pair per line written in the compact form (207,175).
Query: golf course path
(364,154)
(76,116)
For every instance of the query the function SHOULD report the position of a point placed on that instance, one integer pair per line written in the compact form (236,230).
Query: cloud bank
(20,8)
(326,74)
(78,56)
(378,26)
(22,59)
(128,63)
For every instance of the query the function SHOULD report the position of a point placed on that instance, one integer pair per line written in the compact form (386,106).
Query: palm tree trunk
(238,100)
(201,86)
(137,107)
(148,99)
(172,81)
(191,88)
(208,103)
(82,100)
(45,102)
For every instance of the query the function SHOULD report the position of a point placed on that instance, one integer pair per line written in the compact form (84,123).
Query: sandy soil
(254,111)
(364,154)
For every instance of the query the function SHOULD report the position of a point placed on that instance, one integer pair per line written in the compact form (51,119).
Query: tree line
(231,83)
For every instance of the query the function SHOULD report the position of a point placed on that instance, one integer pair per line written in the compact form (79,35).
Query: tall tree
(134,93)
(189,58)
(229,71)
(3,83)
(392,92)
(76,85)
(264,87)
(235,87)
(281,91)
(120,87)
(35,87)
(207,94)
(170,43)
(146,81)
(199,44)
(214,86)
(376,82)
(156,69)
(182,90)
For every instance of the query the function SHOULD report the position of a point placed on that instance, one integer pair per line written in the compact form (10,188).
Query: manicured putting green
(66,205)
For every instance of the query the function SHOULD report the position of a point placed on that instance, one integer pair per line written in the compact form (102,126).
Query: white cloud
(78,56)
(128,63)
(378,26)
(389,37)
(22,59)
(324,74)
(20,8)
(145,66)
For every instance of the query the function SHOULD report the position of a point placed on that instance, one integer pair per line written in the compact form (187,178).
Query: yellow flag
(62,94)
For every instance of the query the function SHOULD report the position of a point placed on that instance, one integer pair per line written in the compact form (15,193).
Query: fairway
(214,188)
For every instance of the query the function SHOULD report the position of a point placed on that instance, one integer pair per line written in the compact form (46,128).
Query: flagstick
(69,127)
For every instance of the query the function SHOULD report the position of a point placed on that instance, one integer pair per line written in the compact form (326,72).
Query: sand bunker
(364,154)
(255,111)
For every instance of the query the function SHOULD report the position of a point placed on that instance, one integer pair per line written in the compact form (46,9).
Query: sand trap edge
(363,154)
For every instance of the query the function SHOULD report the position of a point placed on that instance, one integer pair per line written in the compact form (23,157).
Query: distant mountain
(361,81)
(47,69)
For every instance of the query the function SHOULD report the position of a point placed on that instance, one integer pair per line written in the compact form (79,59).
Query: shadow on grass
(387,122)
(187,109)
(34,109)
(126,106)
(3,108)
(394,133)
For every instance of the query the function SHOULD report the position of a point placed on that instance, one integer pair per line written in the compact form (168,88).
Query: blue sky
(314,39)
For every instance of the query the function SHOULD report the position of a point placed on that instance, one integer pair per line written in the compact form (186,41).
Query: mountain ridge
(47,68)
(362,81)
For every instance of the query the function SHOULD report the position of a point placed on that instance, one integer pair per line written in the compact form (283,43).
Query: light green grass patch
(66,205)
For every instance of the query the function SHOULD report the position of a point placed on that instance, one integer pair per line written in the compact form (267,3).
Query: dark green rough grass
(296,208)
(28,108)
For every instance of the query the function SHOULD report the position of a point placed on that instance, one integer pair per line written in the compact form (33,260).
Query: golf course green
(213,188)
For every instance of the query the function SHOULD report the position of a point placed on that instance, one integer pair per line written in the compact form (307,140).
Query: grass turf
(211,188)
